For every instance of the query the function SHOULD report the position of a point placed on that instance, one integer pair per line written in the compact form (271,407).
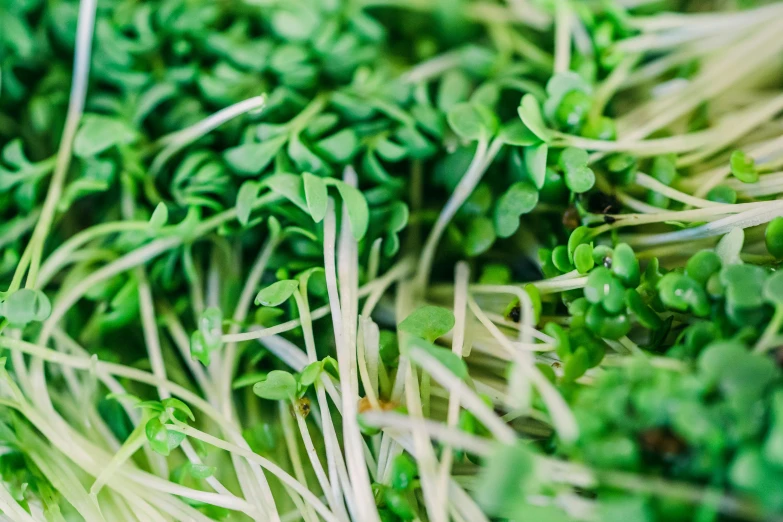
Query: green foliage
(428,322)
(278,386)
(25,306)
(505,474)
(743,167)
(664,348)
(519,199)
(773,237)
(276,293)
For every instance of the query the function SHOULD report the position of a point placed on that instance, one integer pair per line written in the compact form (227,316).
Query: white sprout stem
(562,417)
(704,182)
(717,21)
(11,507)
(693,215)
(636,205)
(522,13)
(335,462)
(379,286)
(659,66)
(357,469)
(155,353)
(484,155)
(659,42)
(175,142)
(92,458)
(400,271)
(268,465)
(181,341)
(291,355)
(103,368)
(308,514)
(648,182)
(239,316)
(85,27)
(520,390)
(449,435)
(368,334)
(547,287)
(738,62)
(64,252)
(767,339)
(457,498)
(745,219)
(469,398)
(425,455)
(461,281)
(736,125)
(609,86)
(433,68)
(315,462)
(133,443)
(563,20)
(640,147)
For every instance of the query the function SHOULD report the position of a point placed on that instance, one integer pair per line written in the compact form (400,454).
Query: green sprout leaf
(358,210)
(519,199)
(517,134)
(480,236)
(471,122)
(578,176)
(316,196)
(530,113)
(340,147)
(158,436)
(428,322)
(178,405)
(251,159)
(503,476)
(773,237)
(248,193)
(454,363)
(277,293)
(201,471)
(25,306)
(311,373)
(278,386)
(99,133)
(743,167)
(159,217)
(535,163)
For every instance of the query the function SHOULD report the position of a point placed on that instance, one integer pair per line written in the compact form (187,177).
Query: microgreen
(773,237)
(519,199)
(276,293)
(743,167)
(428,322)
(319,238)
(530,113)
(278,386)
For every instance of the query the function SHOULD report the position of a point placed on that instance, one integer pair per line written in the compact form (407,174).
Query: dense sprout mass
(391,260)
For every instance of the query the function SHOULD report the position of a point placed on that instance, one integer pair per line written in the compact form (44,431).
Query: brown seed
(662,442)
(303,406)
(365,405)
(571,218)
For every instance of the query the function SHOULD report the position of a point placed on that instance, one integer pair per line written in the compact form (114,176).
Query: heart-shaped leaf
(278,386)
(428,322)
(519,199)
